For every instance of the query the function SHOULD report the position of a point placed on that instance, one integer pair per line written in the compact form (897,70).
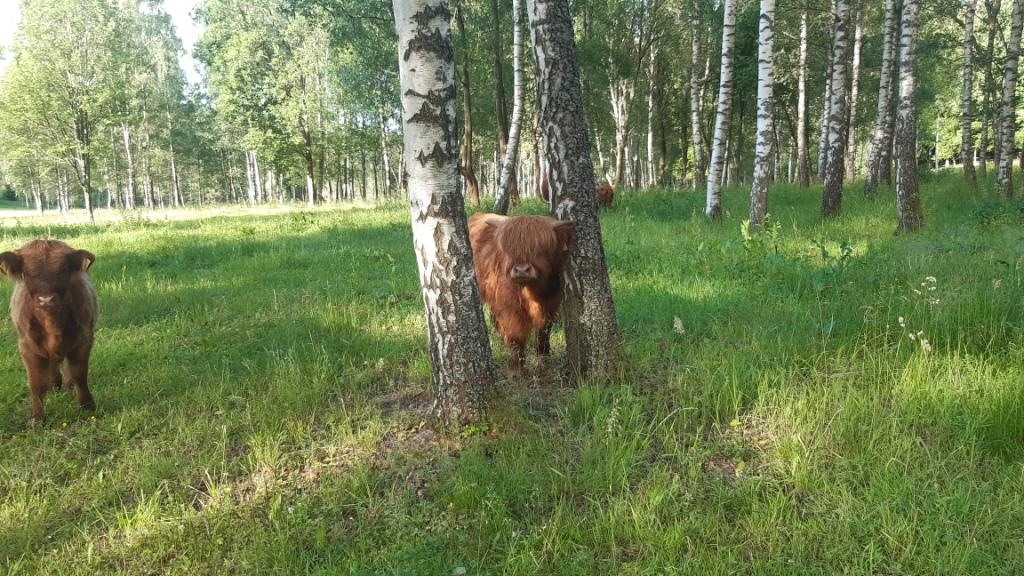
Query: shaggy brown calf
(54,310)
(605,194)
(519,262)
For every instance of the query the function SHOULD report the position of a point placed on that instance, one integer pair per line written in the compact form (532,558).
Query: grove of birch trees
(299,101)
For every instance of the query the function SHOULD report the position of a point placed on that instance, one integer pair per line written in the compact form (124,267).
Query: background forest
(298,100)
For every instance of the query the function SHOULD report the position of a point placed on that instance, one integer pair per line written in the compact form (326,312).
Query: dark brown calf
(54,310)
(519,262)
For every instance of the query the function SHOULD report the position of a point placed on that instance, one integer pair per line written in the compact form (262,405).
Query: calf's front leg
(76,372)
(42,374)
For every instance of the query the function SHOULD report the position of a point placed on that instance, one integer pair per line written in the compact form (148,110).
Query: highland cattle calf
(605,194)
(519,262)
(54,310)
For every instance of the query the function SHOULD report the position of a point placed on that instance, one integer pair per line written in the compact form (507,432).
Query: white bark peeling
(765,122)
(459,346)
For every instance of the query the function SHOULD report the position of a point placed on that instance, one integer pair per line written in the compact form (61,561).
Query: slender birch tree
(832,195)
(591,329)
(826,112)
(880,140)
(696,105)
(992,8)
(765,120)
(466,154)
(501,103)
(803,161)
(512,152)
(460,350)
(851,132)
(967,95)
(908,200)
(1007,114)
(713,208)
(651,170)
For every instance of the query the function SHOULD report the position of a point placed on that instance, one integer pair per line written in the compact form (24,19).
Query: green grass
(260,382)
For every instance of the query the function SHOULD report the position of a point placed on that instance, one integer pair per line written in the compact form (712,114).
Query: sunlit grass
(825,397)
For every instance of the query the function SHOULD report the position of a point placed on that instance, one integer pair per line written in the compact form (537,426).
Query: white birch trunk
(880,139)
(908,201)
(832,194)
(823,126)
(591,328)
(650,120)
(129,193)
(1007,126)
(460,350)
(765,120)
(803,158)
(992,19)
(967,95)
(851,129)
(713,207)
(696,108)
(512,150)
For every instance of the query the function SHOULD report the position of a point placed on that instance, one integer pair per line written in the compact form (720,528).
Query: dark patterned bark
(591,329)
(832,195)
(908,200)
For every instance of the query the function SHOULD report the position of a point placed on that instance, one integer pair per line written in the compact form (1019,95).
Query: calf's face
(533,247)
(45,268)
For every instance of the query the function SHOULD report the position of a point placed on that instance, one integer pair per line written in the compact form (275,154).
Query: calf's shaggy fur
(519,262)
(54,310)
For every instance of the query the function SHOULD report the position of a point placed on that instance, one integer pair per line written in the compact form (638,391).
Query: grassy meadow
(821,398)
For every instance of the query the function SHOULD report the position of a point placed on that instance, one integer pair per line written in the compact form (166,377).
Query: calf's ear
(11,264)
(80,260)
(566,234)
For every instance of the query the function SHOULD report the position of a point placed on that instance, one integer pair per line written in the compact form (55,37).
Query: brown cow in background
(54,310)
(519,262)
(605,193)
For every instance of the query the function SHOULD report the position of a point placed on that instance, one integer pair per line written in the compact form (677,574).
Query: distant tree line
(300,100)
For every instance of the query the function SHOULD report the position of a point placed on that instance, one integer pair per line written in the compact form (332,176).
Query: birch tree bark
(1007,126)
(765,120)
(967,94)
(512,153)
(129,166)
(803,161)
(466,155)
(501,104)
(460,350)
(696,106)
(823,127)
(650,170)
(832,195)
(880,140)
(591,329)
(992,8)
(851,132)
(908,200)
(713,208)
